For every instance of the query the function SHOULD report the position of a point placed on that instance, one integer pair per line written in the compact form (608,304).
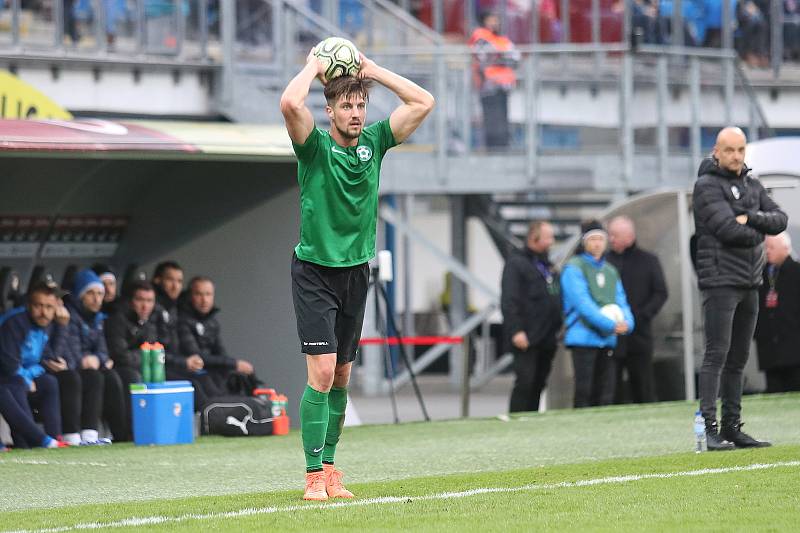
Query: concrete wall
(249,258)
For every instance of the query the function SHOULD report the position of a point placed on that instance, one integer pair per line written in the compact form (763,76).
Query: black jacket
(730,254)
(643,281)
(525,300)
(166,312)
(200,334)
(125,333)
(778,329)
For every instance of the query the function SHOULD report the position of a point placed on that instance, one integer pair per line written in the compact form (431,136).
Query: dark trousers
(638,361)
(783,379)
(81,393)
(495,118)
(531,367)
(16,409)
(115,406)
(128,375)
(595,375)
(204,385)
(730,319)
(755,37)
(70,24)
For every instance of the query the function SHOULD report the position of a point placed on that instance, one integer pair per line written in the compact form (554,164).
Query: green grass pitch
(625,468)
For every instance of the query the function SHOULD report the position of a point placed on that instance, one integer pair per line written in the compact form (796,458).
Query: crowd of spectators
(68,357)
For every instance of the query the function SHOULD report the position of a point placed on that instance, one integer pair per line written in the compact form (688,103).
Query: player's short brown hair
(347,86)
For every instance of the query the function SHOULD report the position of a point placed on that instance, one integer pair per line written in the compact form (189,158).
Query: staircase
(507,216)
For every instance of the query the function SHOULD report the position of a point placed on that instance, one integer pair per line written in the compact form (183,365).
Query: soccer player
(338,172)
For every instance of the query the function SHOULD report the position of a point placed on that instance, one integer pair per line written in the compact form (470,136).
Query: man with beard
(338,171)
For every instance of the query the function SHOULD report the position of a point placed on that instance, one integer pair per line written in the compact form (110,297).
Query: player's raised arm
(417,102)
(298,118)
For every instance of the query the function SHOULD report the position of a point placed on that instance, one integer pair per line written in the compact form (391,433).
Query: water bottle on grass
(699,432)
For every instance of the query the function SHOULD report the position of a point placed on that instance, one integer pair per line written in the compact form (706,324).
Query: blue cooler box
(163,413)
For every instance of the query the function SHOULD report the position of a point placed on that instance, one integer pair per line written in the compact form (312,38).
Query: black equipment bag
(237,416)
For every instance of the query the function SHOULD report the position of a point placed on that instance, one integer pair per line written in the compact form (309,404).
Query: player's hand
(244,366)
(110,364)
(520,340)
(62,315)
(90,362)
(56,365)
(312,59)
(741,219)
(621,328)
(194,363)
(368,67)
(33,387)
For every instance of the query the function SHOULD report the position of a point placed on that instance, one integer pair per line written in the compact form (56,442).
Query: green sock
(313,425)
(337,403)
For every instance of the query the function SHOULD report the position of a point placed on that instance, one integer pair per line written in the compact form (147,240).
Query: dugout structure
(219,198)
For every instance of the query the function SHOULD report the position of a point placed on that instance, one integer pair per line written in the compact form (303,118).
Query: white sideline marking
(155,520)
(50,463)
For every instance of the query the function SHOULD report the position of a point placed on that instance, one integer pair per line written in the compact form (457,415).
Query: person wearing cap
(87,382)
(109,279)
(596,311)
(732,213)
(28,336)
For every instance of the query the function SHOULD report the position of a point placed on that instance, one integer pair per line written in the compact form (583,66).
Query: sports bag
(238,416)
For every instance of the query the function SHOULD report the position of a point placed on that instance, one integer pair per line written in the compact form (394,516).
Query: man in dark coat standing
(732,213)
(643,281)
(778,327)
(531,307)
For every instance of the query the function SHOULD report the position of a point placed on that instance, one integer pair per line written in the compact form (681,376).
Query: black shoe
(740,439)
(714,442)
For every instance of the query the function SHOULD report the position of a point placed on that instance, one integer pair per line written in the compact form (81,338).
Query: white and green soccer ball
(613,311)
(339,56)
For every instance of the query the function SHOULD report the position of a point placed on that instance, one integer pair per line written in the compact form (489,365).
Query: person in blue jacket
(29,335)
(90,388)
(591,288)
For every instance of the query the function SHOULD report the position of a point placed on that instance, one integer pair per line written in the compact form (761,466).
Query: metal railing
(183,29)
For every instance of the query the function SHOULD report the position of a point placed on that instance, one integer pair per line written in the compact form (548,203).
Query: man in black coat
(168,283)
(778,327)
(643,281)
(732,213)
(531,307)
(199,334)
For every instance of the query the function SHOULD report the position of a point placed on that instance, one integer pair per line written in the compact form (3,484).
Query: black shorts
(329,304)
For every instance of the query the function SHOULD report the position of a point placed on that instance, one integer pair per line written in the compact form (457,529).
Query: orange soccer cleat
(315,487)
(333,483)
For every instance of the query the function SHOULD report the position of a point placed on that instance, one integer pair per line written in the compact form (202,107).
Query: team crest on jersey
(364,153)
(735,191)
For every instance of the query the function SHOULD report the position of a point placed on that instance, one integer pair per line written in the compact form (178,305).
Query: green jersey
(339,195)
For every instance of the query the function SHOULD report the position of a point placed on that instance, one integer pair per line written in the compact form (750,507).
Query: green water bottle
(157,362)
(144,351)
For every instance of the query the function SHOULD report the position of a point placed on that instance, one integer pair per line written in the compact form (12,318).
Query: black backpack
(238,416)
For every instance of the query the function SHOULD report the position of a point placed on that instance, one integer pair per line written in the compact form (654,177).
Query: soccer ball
(339,56)
(613,311)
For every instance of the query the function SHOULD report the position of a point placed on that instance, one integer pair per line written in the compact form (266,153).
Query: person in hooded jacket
(732,213)
(98,391)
